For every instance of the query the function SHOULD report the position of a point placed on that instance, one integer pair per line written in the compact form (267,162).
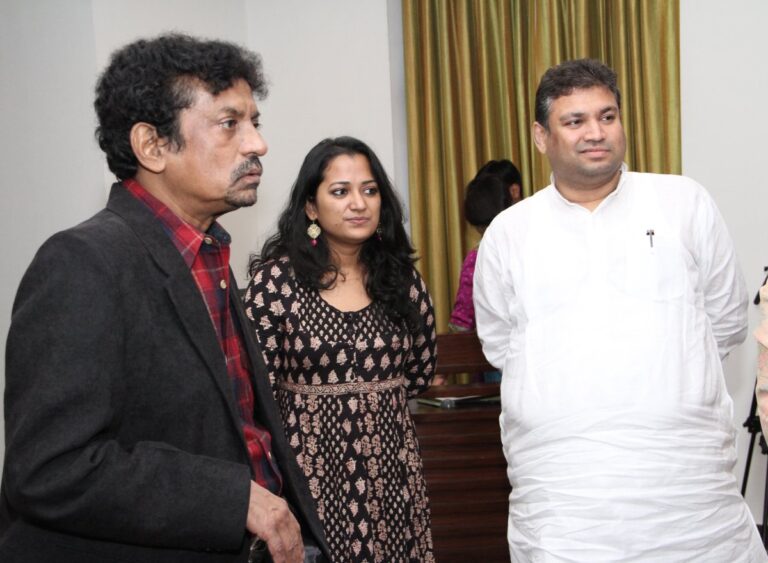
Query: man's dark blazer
(123,441)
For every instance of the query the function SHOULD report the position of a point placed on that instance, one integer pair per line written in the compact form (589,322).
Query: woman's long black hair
(388,256)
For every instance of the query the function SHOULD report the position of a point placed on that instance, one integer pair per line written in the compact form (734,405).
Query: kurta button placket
(349,320)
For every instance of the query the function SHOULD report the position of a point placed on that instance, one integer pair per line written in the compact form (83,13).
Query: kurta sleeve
(724,289)
(265,307)
(420,362)
(494,298)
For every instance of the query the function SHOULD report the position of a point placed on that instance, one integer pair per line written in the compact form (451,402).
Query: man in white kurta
(609,299)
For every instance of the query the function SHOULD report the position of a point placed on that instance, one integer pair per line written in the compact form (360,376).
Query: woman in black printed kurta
(348,334)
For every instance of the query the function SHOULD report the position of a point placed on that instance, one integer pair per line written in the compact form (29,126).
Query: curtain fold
(471,69)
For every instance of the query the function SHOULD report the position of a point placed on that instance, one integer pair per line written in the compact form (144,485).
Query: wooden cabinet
(465,470)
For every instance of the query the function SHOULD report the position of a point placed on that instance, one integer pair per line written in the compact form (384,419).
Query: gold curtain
(471,70)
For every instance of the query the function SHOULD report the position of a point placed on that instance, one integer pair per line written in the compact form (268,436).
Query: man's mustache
(253,163)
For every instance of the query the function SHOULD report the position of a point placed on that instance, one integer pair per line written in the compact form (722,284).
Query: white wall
(724,80)
(50,168)
(335,68)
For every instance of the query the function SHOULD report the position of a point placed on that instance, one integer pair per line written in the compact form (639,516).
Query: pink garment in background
(463,314)
(761,333)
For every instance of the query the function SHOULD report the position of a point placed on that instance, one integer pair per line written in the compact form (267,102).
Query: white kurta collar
(613,195)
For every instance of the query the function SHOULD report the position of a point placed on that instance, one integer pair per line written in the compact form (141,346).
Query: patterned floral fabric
(342,380)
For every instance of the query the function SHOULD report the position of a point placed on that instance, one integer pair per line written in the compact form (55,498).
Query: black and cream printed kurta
(342,380)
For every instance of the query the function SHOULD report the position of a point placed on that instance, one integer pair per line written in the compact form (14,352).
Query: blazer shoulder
(105,235)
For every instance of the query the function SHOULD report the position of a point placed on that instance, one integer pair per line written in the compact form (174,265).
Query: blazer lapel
(193,316)
(181,289)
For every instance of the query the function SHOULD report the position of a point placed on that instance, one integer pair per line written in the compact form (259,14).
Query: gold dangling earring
(313,231)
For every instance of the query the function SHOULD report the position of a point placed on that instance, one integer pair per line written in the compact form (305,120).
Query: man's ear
(311,210)
(540,135)
(515,192)
(148,147)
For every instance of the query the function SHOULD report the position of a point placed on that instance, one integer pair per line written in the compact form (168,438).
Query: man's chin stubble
(244,197)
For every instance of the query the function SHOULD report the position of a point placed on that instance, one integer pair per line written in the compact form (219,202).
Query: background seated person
(495,187)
